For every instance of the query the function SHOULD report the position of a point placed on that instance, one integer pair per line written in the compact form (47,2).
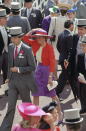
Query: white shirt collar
(30,9)
(19,46)
(68,30)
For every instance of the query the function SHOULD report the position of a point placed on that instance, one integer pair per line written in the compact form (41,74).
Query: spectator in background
(63,8)
(81,68)
(55,28)
(71,15)
(4,41)
(81,9)
(7,3)
(66,1)
(52,109)
(72,119)
(2,6)
(50,4)
(64,46)
(34,15)
(31,115)
(16,20)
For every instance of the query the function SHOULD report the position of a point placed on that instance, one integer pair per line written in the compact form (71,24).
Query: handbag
(54,85)
(3,88)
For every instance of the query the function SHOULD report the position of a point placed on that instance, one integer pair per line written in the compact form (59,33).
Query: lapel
(81,59)
(12,55)
(32,13)
(25,12)
(66,32)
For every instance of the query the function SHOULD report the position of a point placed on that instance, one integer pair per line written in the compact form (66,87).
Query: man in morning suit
(81,9)
(20,75)
(81,68)
(34,15)
(78,59)
(81,25)
(64,46)
(16,20)
(4,41)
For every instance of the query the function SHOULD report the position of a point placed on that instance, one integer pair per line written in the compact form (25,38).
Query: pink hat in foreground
(40,32)
(29,109)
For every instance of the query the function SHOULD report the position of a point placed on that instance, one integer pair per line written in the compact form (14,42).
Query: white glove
(81,78)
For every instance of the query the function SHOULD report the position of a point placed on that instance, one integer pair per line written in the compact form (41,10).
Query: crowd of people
(32,45)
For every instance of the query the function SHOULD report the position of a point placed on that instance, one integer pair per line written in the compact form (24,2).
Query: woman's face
(71,15)
(41,40)
(35,120)
(55,114)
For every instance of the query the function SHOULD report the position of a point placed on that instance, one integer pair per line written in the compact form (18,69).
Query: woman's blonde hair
(25,123)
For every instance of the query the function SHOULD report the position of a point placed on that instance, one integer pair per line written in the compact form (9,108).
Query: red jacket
(48,57)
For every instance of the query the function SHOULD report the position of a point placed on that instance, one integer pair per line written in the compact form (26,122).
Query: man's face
(28,5)
(16,40)
(71,15)
(81,31)
(3,21)
(71,27)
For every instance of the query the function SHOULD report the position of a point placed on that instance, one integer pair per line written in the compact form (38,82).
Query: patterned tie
(16,52)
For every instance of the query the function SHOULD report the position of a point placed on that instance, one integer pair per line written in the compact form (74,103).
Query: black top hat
(28,0)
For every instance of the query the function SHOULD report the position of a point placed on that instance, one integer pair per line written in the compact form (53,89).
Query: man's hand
(50,80)
(14,69)
(66,63)
(49,118)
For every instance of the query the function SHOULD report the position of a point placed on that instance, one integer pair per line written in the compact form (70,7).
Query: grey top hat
(15,6)
(3,13)
(72,116)
(83,40)
(81,23)
(16,31)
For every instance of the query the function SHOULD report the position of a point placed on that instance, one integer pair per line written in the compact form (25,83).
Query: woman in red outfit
(45,57)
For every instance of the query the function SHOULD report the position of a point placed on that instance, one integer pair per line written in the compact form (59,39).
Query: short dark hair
(68,23)
(15,13)
(74,126)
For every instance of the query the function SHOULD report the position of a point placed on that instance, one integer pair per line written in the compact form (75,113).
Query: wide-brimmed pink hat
(29,109)
(40,32)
